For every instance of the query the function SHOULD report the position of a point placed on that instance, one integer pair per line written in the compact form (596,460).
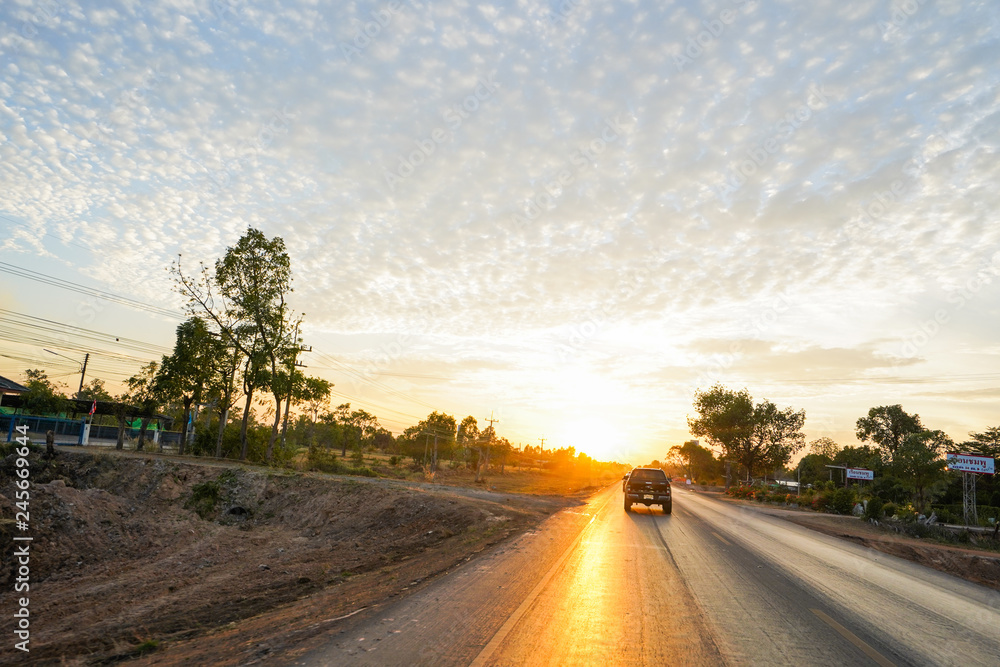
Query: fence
(67,431)
(72,432)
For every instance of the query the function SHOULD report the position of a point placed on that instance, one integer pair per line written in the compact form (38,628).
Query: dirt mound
(134,554)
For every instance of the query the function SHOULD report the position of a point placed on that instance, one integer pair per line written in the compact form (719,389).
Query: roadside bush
(821,501)
(842,501)
(326,461)
(203,443)
(740,491)
(889,509)
(873,510)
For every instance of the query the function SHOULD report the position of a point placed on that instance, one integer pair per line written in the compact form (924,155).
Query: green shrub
(889,509)
(821,501)
(842,501)
(873,510)
(204,498)
(326,461)
(394,461)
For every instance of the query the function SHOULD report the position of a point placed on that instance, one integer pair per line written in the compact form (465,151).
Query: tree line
(760,439)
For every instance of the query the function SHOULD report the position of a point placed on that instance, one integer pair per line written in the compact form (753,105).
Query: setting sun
(595,436)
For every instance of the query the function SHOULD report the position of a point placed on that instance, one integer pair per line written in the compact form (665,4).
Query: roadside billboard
(970,463)
(860,473)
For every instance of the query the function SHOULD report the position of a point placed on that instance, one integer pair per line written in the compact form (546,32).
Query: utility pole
(83,369)
(83,372)
(542,440)
(293,363)
(488,443)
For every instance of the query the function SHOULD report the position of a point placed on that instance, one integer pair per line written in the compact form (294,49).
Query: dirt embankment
(182,563)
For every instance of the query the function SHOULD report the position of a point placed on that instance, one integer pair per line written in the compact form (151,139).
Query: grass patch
(204,498)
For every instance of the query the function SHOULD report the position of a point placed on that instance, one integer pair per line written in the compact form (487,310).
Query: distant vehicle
(647,486)
(625,479)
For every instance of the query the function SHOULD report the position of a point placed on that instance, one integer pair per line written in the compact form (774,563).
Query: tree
(246,299)
(314,393)
(364,425)
(221,389)
(760,438)
(437,428)
(468,433)
(824,446)
(777,435)
(95,391)
(483,444)
(42,396)
(813,468)
(696,461)
(986,443)
(254,375)
(725,420)
(144,397)
(864,456)
(442,429)
(919,464)
(122,411)
(887,426)
(255,276)
(188,370)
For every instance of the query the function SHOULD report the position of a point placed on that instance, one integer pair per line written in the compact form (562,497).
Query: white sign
(860,473)
(970,463)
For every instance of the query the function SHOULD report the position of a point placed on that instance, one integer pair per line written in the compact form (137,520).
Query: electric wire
(46,279)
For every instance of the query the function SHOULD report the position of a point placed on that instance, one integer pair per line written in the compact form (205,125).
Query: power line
(395,375)
(87,291)
(365,402)
(359,375)
(34,324)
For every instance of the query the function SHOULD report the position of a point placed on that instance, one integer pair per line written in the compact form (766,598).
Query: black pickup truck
(647,486)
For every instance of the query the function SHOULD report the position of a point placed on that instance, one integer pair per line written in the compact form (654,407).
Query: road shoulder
(978,566)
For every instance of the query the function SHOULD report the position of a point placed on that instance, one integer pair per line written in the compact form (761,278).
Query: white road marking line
(854,639)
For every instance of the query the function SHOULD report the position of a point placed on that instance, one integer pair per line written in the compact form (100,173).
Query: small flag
(93,408)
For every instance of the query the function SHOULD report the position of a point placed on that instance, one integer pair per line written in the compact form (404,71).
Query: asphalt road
(713,583)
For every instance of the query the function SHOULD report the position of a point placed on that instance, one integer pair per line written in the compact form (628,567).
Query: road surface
(713,583)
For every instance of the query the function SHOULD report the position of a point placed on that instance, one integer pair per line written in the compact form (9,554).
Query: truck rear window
(648,476)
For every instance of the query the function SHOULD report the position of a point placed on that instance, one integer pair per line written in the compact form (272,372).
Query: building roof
(11,387)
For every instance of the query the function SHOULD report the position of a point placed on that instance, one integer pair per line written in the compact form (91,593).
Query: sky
(568,215)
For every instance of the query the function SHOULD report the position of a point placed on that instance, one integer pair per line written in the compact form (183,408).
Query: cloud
(831,153)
